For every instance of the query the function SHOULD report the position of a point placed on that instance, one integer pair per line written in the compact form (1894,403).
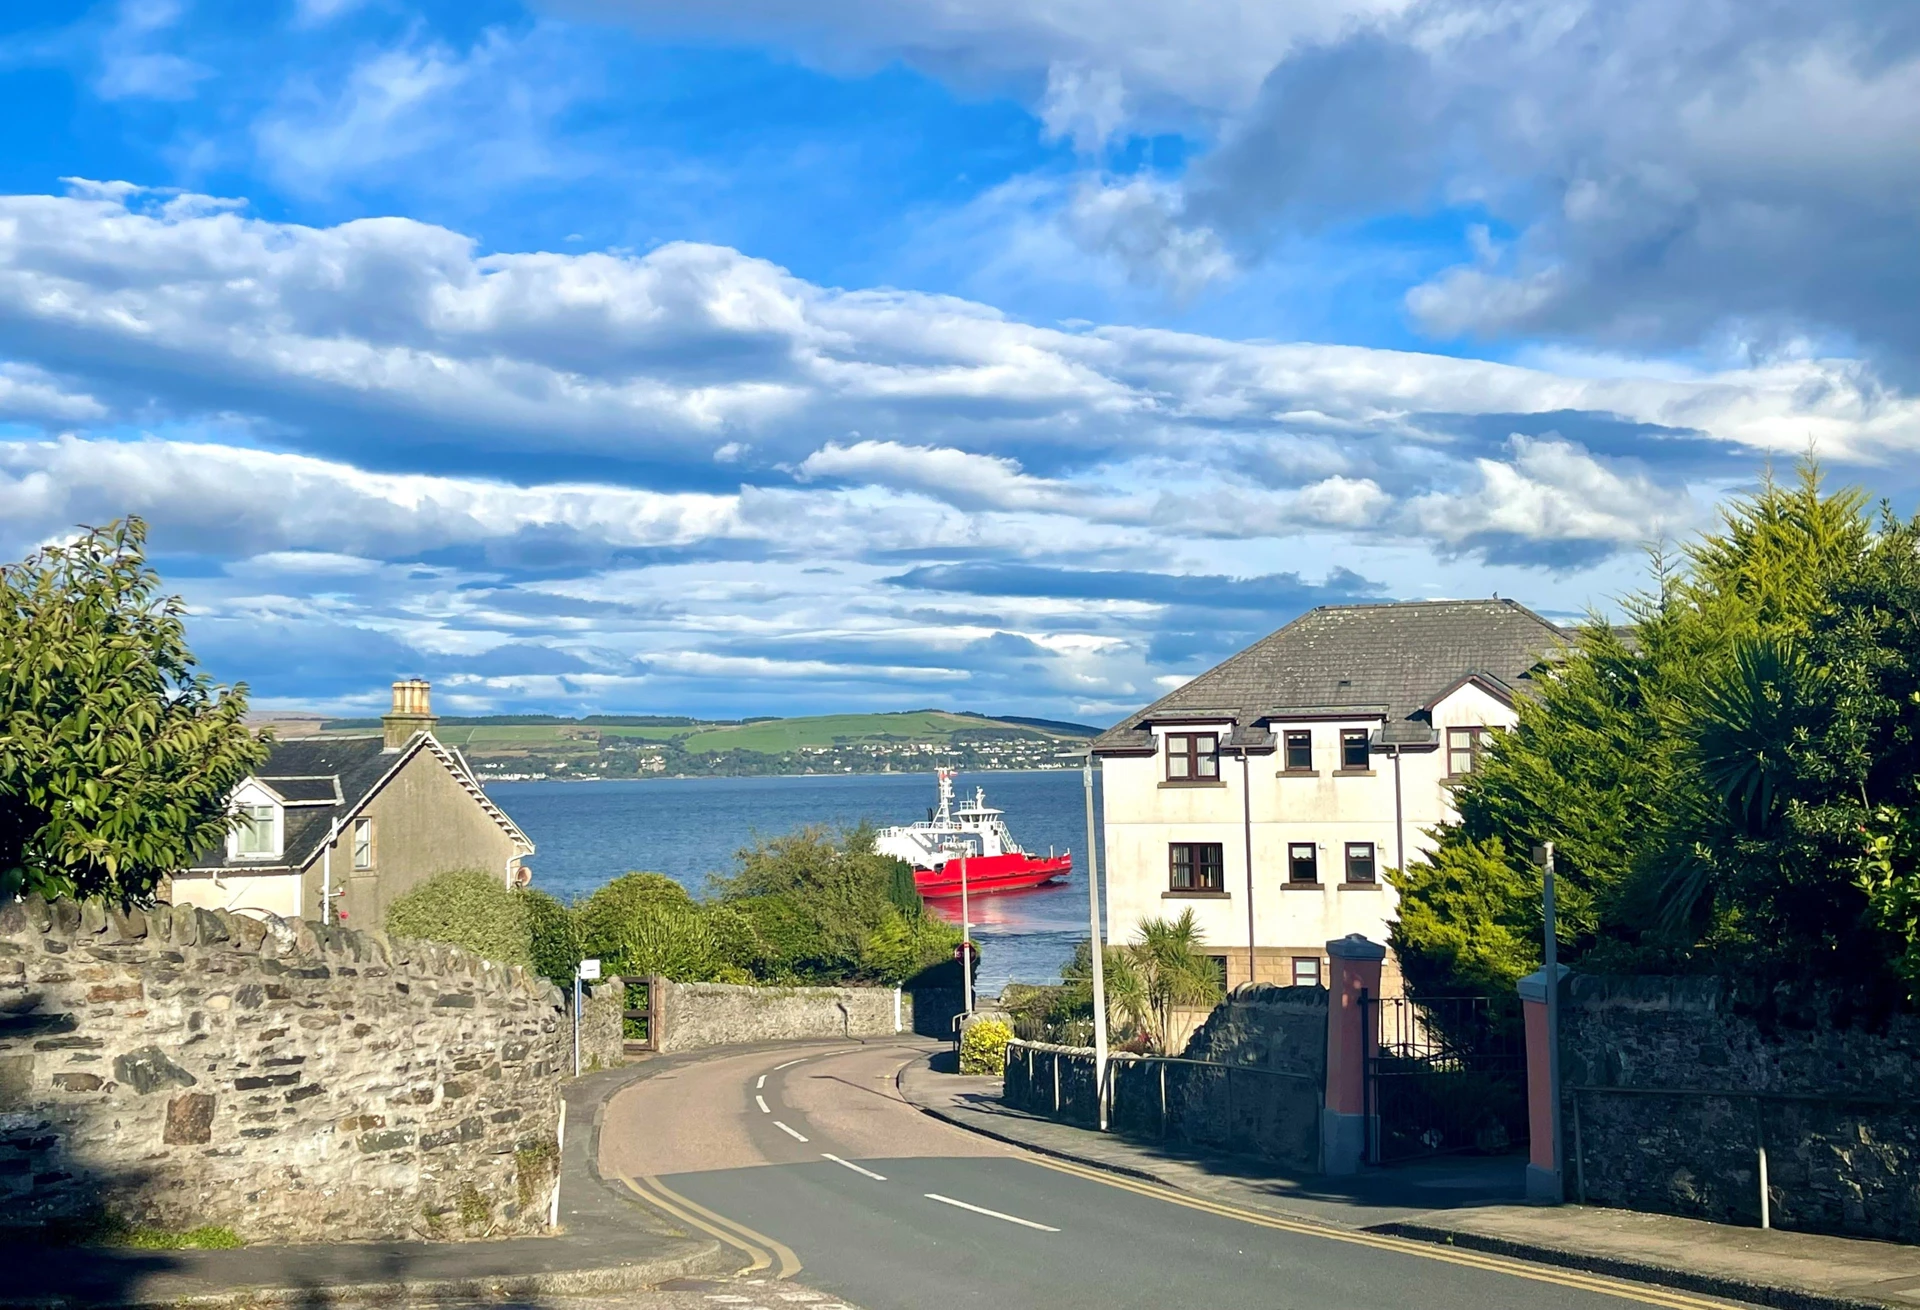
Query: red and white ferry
(976,835)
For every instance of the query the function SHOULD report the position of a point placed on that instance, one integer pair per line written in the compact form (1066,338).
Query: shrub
(646,923)
(468,908)
(983,1047)
(555,934)
(901,946)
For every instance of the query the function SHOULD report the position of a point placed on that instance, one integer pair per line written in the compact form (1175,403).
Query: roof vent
(412,712)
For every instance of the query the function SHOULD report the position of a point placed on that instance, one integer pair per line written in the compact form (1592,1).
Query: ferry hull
(987,874)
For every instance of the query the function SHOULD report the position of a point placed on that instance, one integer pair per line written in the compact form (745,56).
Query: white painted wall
(1144,814)
(277,892)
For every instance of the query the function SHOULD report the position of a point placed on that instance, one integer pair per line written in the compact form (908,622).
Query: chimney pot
(412,712)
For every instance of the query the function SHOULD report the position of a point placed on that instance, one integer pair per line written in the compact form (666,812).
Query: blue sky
(764,357)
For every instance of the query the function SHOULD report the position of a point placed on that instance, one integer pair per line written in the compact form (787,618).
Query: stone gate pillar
(1544,1180)
(1352,1031)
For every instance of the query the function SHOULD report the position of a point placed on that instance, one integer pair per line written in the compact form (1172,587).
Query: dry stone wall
(697,1015)
(180,1067)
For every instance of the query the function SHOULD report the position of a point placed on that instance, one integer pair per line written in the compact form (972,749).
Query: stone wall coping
(267,936)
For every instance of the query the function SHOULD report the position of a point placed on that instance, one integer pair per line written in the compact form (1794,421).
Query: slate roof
(328,778)
(1354,661)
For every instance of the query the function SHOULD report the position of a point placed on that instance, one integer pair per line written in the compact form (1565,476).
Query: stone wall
(697,1015)
(602,1031)
(1642,1141)
(180,1067)
(1280,1028)
(1239,1108)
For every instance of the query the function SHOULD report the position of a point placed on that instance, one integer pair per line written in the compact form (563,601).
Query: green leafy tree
(117,758)
(902,945)
(1468,919)
(1730,783)
(468,908)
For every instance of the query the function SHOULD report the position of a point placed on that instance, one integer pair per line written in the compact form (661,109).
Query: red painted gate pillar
(1545,1183)
(1353,1031)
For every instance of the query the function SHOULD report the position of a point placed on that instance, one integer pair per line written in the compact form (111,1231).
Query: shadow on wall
(181,1067)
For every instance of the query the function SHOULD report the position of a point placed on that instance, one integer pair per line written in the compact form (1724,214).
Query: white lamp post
(1097,950)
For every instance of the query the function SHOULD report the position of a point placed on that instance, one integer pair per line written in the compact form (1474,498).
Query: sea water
(692,828)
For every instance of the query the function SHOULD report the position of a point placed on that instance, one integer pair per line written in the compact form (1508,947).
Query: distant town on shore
(532,747)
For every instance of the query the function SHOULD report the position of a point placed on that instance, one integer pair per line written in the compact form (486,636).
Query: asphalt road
(808,1159)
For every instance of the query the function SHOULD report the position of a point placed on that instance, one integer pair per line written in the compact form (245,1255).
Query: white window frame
(362,848)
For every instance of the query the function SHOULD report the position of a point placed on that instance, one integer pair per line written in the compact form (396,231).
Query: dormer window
(1193,757)
(255,834)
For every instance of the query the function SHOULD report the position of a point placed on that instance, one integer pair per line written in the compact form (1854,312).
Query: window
(1300,752)
(1303,862)
(254,834)
(1196,866)
(1463,748)
(1191,757)
(1218,963)
(1359,861)
(1306,971)
(1354,749)
(363,843)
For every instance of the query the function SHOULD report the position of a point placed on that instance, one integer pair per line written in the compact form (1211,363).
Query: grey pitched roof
(328,778)
(1353,661)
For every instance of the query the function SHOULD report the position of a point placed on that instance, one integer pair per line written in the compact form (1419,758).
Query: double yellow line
(1404,1246)
(763,1252)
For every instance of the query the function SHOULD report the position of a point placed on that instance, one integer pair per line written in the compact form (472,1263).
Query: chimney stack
(412,712)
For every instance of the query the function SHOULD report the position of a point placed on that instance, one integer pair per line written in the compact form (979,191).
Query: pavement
(1465,1204)
(814,1163)
(613,1248)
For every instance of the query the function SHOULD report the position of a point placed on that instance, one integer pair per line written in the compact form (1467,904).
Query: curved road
(807,1157)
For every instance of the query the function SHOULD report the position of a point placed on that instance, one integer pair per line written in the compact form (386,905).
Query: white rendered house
(1271,793)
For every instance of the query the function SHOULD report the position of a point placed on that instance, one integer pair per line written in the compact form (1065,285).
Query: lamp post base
(1545,1186)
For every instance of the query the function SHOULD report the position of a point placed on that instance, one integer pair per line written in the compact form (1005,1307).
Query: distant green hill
(600,742)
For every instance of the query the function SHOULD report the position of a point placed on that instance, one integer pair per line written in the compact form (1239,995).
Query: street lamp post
(1544,853)
(966,942)
(1246,815)
(1096,951)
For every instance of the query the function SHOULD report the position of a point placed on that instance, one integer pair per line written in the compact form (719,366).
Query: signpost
(587,971)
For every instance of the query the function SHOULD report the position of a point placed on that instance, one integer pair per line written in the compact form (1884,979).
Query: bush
(901,946)
(555,934)
(983,1047)
(646,923)
(468,908)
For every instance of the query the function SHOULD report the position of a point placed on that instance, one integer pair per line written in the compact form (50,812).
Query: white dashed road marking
(848,1164)
(791,1133)
(981,1209)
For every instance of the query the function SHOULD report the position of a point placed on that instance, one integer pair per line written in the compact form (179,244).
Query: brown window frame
(1478,736)
(1319,971)
(1348,737)
(1201,858)
(1201,765)
(1294,862)
(1372,858)
(1301,738)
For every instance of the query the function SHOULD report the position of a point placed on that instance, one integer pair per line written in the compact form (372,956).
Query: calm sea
(689,828)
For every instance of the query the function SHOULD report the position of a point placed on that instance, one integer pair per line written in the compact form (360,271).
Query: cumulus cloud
(956,476)
(182,306)
(1139,223)
(1552,501)
(1084,105)
(1745,167)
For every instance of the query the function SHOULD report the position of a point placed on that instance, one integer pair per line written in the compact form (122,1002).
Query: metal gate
(1447,1074)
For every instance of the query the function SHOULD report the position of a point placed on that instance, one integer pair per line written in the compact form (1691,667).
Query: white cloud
(188,308)
(1553,491)
(1084,105)
(956,476)
(131,68)
(1139,222)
